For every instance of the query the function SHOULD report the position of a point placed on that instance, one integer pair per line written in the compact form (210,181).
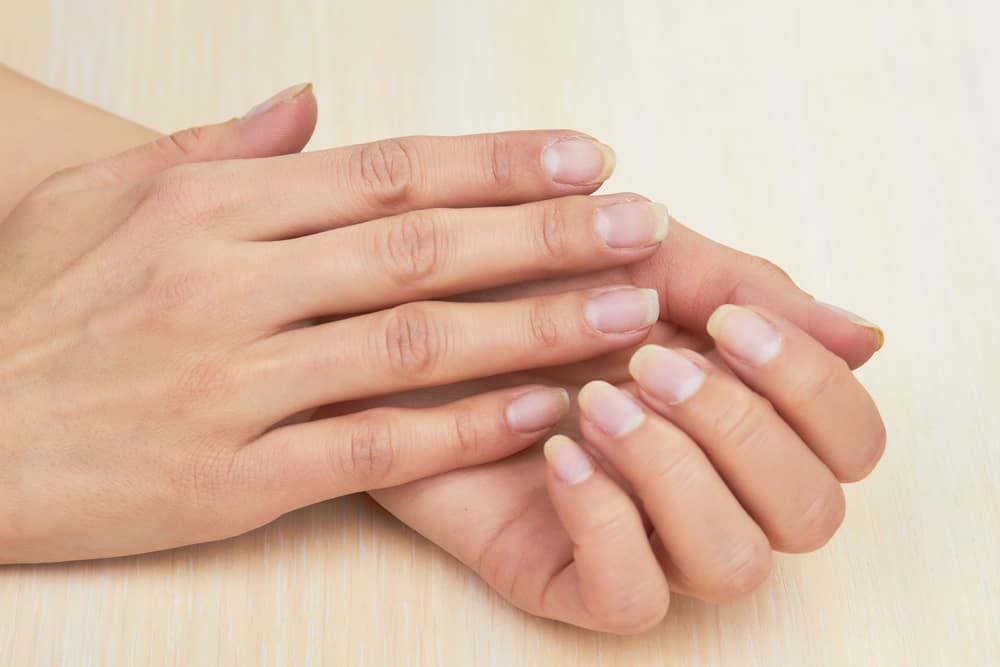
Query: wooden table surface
(856,143)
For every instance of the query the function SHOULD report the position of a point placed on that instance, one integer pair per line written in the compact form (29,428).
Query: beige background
(855,143)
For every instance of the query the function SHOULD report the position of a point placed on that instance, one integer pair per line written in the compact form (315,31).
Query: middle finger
(436,253)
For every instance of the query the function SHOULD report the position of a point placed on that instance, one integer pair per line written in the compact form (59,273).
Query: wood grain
(855,143)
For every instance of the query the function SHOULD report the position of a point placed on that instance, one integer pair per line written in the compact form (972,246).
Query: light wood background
(856,143)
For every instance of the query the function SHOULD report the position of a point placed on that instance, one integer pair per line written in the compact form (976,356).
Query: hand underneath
(734,446)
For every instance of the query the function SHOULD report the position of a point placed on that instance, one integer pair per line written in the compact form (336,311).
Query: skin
(602,551)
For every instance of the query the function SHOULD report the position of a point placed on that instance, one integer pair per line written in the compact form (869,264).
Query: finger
(790,493)
(715,549)
(613,583)
(813,389)
(433,343)
(440,252)
(295,195)
(281,125)
(696,275)
(300,464)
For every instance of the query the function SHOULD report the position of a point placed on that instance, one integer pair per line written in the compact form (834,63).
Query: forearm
(43,130)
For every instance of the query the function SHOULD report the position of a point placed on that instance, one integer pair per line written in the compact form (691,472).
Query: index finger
(295,195)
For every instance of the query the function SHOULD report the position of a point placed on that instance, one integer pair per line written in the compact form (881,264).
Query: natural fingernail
(570,463)
(632,225)
(623,310)
(668,375)
(610,409)
(538,409)
(578,161)
(744,333)
(857,319)
(286,95)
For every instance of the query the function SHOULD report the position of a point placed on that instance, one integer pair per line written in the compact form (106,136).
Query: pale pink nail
(570,463)
(744,333)
(610,409)
(285,95)
(538,409)
(623,310)
(631,225)
(578,161)
(665,374)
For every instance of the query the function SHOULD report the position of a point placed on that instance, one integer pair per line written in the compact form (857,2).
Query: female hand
(746,462)
(158,371)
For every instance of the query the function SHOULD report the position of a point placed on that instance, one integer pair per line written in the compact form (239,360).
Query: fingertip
(537,409)
(578,160)
(567,460)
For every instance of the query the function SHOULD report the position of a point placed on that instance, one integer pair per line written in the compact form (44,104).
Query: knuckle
(739,569)
(818,521)
(369,456)
(414,247)
(413,343)
(542,327)
(204,380)
(499,161)
(766,267)
(676,470)
(470,440)
(817,387)
(182,145)
(204,476)
(745,277)
(384,169)
(172,195)
(57,182)
(740,420)
(552,231)
(177,288)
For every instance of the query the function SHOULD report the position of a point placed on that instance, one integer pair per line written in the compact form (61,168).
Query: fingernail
(578,161)
(286,95)
(857,319)
(538,409)
(632,225)
(610,409)
(744,333)
(668,375)
(570,463)
(623,310)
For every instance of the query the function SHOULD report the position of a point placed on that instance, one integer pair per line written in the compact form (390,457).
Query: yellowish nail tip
(662,221)
(879,336)
(653,304)
(610,161)
(640,359)
(714,324)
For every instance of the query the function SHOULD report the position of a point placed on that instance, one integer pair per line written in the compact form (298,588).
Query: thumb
(280,125)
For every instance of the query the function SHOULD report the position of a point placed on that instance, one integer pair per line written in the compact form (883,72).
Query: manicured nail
(578,161)
(632,225)
(744,333)
(623,310)
(668,375)
(570,463)
(857,319)
(610,409)
(286,95)
(538,409)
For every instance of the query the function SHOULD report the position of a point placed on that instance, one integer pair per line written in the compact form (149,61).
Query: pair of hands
(193,344)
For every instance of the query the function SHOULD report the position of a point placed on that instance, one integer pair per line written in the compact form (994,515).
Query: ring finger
(433,343)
